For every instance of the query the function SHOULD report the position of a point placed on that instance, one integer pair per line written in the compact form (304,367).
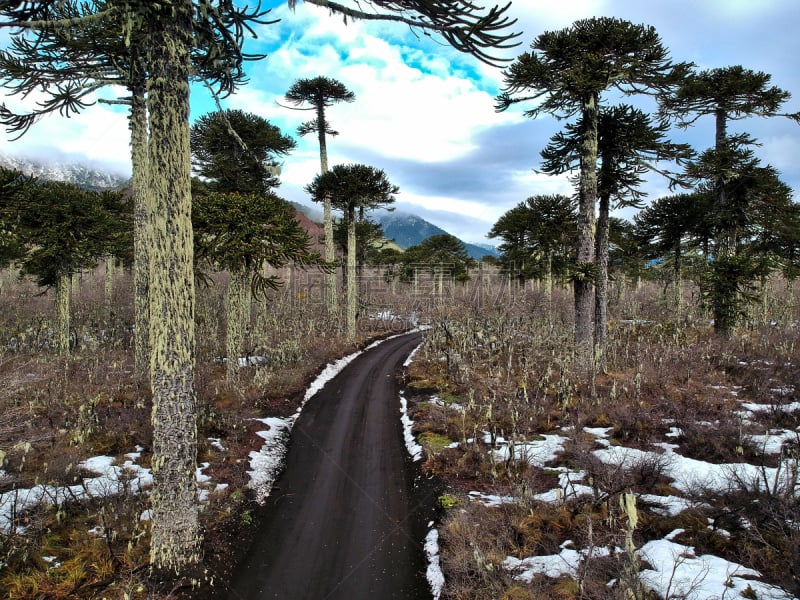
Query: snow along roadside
(433,573)
(267,463)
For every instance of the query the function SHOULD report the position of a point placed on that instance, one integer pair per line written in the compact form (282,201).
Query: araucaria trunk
(352,284)
(142,206)
(331,297)
(176,537)
(63,291)
(584,283)
(238,318)
(601,293)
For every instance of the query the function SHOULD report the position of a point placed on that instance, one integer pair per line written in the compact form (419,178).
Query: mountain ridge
(408,230)
(83,175)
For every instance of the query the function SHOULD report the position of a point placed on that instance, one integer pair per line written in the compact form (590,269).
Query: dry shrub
(475,540)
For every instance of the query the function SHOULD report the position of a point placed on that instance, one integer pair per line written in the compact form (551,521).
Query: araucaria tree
(321,93)
(567,71)
(237,151)
(241,233)
(241,225)
(65,229)
(538,238)
(352,188)
(629,144)
(727,94)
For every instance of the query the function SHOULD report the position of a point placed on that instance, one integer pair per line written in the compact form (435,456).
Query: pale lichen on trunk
(176,536)
(63,292)
(601,291)
(331,295)
(142,207)
(352,284)
(108,287)
(584,286)
(238,318)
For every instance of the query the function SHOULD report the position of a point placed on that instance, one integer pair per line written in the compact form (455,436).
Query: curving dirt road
(345,520)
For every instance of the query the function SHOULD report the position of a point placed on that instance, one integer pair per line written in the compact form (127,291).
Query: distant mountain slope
(315,214)
(410,230)
(82,175)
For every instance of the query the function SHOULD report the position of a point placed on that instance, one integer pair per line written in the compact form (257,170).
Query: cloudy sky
(425,114)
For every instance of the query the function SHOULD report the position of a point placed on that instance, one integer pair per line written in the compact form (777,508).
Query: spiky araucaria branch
(464,25)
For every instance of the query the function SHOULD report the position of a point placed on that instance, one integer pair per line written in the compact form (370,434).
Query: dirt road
(345,520)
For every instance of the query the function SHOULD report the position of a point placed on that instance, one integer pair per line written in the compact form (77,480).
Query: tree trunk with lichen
(176,536)
(351,275)
(601,290)
(62,292)
(587,196)
(238,317)
(331,293)
(142,206)
(108,288)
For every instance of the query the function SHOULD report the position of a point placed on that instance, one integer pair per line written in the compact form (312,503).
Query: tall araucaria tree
(241,233)
(629,144)
(568,71)
(321,93)
(352,188)
(728,94)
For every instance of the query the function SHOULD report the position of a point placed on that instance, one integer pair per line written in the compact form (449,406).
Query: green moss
(436,442)
(446,501)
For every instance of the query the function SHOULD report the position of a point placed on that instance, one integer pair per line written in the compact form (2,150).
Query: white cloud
(419,103)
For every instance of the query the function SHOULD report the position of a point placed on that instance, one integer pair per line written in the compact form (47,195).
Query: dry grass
(56,412)
(509,366)
(501,355)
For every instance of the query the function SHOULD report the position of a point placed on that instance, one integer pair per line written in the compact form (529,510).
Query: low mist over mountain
(82,175)
(404,228)
(409,230)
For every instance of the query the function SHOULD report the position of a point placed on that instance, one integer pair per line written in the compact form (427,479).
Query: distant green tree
(728,94)
(238,151)
(13,187)
(567,71)
(626,252)
(241,233)
(443,255)
(538,238)
(667,228)
(66,229)
(352,188)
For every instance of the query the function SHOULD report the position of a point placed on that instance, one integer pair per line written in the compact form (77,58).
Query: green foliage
(446,501)
(352,187)
(13,187)
(236,151)
(538,236)
(66,229)
(436,442)
(443,253)
(566,67)
(320,92)
(628,144)
(242,232)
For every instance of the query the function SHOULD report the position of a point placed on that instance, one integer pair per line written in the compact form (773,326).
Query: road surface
(345,520)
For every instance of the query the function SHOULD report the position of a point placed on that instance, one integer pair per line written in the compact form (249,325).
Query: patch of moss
(436,442)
